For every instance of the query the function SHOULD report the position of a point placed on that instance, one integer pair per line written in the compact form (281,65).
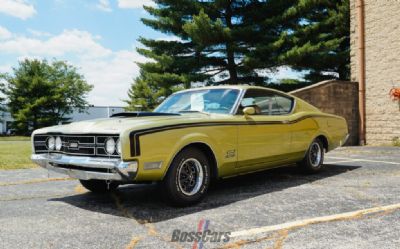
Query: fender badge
(230,154)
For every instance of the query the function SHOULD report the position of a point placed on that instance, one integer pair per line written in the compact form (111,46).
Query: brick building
(375,60)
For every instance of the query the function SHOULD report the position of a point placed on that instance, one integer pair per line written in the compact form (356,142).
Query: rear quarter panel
(337,129)
(333,127)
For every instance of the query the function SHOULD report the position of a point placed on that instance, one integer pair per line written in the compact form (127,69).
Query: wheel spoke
(315,154)
(190,176)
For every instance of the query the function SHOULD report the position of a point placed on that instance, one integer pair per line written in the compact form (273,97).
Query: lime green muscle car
(194,136)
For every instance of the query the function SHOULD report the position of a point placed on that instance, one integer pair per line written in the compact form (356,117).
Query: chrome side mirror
(249,111)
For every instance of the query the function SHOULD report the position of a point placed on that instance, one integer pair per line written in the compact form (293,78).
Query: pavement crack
(79,189)
(151,230)
(240,243)
(282,235)
(133,242)
(311,221)
(282,230)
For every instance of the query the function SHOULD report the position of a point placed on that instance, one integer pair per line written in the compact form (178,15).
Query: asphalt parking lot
(353,203)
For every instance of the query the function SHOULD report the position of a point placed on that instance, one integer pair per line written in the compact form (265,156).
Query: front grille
(76,145)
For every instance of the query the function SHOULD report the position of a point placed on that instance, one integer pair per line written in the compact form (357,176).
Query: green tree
(142,96)
(2,107)
(235,41)
(41,94)
(213,40)
(290,81)
(320,41)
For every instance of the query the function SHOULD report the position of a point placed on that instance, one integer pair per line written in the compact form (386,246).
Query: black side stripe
(135,135)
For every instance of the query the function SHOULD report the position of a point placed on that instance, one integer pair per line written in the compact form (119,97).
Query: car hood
(117,125)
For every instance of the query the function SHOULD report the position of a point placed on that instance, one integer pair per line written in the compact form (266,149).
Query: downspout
(361,68)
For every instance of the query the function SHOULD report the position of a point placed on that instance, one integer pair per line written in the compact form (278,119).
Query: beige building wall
(382,44)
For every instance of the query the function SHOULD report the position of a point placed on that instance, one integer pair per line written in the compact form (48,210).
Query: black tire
(99,186)
(314,159)
(183,184)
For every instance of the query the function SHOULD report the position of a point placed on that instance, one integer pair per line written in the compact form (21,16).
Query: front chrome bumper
(87,168)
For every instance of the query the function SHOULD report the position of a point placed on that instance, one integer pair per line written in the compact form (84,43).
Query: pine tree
(237,41)
(214,41)
(320,41)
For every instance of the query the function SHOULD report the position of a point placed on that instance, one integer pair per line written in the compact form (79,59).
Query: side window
(266,102)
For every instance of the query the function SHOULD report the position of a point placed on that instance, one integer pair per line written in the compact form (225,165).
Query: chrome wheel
(190,176)
(315,154)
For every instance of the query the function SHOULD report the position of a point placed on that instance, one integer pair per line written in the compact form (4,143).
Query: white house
(92,112)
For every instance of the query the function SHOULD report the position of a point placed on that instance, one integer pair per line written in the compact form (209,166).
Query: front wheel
(314,158)
(99,186)
(188,178)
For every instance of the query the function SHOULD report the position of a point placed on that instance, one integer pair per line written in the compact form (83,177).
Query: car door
(264,138)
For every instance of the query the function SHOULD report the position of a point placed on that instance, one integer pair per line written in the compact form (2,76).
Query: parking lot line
(322,219)
(40,180)
(343,161)
(22,198)
(361,160)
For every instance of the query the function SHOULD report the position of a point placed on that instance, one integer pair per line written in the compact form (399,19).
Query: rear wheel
(99,186)
(188,178)
(314,158)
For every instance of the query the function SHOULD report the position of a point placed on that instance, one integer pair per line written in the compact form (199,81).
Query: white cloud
(69,41)
(134,4)
(112,76)
(111,72)
(17,8)
(169,38)
(39,33)
(4,33)
(279,73)
(6,68)
(104,5)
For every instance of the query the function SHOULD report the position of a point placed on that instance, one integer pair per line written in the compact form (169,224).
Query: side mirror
(249,111)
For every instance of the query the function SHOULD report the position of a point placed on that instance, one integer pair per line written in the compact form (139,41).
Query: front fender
(189,139)
(162,147)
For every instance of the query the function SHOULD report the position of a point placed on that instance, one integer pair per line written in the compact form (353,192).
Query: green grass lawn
(15,153)
(15,138)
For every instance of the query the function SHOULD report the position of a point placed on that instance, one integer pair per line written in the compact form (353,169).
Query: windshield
(207,100)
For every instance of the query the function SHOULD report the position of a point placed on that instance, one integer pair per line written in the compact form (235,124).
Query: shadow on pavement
(144,203)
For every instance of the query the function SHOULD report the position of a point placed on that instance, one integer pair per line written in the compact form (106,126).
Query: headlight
(110,146)
(58,143)
(51,143)
(119,146)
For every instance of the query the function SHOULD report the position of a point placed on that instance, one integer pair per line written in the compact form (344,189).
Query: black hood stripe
(142,114)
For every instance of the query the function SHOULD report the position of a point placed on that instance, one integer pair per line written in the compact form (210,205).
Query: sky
(99,37)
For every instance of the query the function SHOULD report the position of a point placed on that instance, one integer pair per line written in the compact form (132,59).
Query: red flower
(395,94)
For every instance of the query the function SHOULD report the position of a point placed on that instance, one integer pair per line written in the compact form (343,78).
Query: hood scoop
(143,114)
